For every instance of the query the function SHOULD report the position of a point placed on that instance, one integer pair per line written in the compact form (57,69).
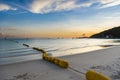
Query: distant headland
(110,33)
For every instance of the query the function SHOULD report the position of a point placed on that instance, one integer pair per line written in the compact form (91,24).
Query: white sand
(106,61)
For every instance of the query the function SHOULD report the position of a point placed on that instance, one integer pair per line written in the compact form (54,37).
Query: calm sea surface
(12,51)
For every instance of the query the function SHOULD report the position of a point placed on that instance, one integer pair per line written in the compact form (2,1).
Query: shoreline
(97,48)
(106,61)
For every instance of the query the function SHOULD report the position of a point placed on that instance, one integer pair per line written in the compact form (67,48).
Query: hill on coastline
(110,33)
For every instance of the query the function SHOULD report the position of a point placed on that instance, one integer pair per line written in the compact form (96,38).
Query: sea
(13,50)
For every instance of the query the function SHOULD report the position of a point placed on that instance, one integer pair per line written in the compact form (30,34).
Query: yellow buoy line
(90,74)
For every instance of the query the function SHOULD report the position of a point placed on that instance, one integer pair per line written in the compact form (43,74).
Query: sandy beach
(105,61)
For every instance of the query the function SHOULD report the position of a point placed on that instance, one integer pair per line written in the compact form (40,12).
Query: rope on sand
(77,70)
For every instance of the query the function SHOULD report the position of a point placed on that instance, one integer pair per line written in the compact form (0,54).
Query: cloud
(4,7)
(46,6)
(69,5)
(106,1)
(109,3)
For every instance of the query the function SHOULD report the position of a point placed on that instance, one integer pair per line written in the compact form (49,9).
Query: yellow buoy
(52,59)
(63,64)
(44,55)
(46,58)
(93,75)
(56,61)
(38,49)
(59,62)
(49,58)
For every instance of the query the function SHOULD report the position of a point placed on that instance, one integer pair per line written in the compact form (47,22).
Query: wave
(16,55)
(15,52)
(13,49)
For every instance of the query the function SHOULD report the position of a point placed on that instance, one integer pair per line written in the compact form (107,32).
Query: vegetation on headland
(110,33)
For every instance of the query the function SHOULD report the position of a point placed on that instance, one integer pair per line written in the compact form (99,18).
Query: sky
(57,18)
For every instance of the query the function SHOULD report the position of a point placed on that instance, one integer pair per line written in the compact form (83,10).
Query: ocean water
(12,51)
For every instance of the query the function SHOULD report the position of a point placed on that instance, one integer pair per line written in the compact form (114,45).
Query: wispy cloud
(45,6)
(106,1)
(24,7)
(4,7)
(109,3)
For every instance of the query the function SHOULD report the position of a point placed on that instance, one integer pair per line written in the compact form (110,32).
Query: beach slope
(106,61)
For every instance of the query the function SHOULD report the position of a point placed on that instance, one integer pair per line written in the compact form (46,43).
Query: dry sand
(106,61)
